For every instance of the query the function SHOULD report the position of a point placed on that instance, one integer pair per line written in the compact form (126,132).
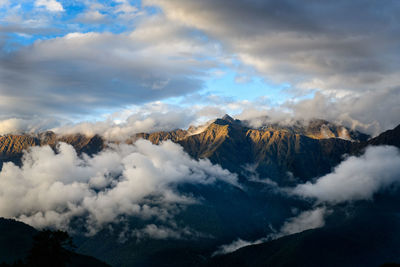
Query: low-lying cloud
(237,244)
(19,125)
(309,219)
(305,220)
(51,188)
(149,118)
(356,178)
(357,113)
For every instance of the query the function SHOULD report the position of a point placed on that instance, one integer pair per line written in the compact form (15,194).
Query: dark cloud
(337,46)
(79,73)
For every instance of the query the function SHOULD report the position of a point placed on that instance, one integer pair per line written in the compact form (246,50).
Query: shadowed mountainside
(16,240)
(368,235)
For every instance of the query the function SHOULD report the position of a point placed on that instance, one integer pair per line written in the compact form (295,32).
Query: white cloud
(4,3)
(17,125)
(357,113)
(237,244)
(50,189)
(125,7)
(92,16)
(147,118)
(304,221)
(356,178)
(50,5)
(163,232)
(361,115)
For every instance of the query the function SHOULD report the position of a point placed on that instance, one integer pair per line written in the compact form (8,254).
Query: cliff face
(275,152)
(12,146)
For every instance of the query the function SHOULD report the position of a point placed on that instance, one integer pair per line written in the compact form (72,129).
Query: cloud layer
(337,46)
(109,56)
(86,72)
(345,50)
(356,178)
(51,189)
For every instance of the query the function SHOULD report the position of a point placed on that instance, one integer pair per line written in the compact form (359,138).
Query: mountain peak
(228,118)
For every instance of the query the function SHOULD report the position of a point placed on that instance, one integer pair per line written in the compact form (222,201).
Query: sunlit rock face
(302,149)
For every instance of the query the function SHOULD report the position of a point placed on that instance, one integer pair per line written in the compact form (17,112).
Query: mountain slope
(16,239)
(272,152)
(276,152)
(368,239)
(390,137)
(224,213)
(12,146)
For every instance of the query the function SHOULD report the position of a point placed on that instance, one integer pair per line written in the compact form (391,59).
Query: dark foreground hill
(367,238)
(16,242)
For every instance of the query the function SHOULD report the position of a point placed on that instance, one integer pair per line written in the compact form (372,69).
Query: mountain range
(263,158)
(305,150)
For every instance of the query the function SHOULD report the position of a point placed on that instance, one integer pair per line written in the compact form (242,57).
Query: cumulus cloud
(356,178)
(51,189)
(50,5)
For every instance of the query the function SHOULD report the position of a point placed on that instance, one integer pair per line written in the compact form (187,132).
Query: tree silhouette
(49,249)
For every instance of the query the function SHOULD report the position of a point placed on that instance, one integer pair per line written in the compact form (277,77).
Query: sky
(88,65)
